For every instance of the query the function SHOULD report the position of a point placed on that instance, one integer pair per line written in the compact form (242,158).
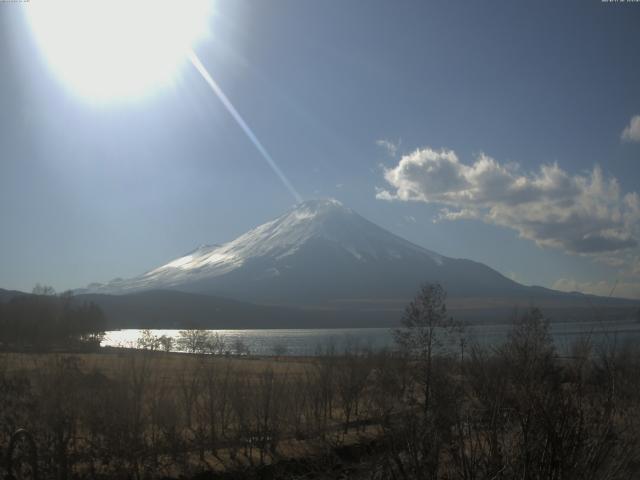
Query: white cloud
(583,214)
(616,289)
(612,260)
(631,133)
(390,147)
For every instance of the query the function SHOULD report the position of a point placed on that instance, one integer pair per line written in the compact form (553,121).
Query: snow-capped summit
(320,251)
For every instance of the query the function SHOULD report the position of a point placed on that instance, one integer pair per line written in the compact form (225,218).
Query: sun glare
(111,49)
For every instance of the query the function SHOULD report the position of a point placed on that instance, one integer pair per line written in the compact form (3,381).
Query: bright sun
(108,49)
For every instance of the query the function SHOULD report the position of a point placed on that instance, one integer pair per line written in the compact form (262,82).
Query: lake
(311,341)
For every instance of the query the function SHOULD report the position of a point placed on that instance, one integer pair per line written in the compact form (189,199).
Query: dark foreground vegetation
(434,408)
(45,321)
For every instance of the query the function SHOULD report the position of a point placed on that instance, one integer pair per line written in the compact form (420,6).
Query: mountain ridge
(173,309)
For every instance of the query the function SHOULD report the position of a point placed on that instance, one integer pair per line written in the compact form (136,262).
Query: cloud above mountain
(579,213)
(390,147)
(631,132)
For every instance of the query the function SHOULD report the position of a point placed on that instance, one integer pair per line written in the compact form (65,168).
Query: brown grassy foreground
(518,411)
(127,413)
(112,361)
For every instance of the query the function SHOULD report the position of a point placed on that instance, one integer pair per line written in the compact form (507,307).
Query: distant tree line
(44,320)
(193,341)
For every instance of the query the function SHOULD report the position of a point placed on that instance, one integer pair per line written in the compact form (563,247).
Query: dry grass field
(178,413)
(112,363)
(511,412)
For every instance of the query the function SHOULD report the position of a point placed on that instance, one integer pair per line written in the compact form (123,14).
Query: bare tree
(148,341)
(193,341)
(425,327)
(166,343)
(214,344)
(47,290)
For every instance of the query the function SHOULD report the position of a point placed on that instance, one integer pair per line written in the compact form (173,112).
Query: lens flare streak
(243,125)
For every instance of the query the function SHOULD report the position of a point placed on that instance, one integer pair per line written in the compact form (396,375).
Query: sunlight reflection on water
(309,341)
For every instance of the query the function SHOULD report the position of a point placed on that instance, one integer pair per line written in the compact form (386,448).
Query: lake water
(311,341)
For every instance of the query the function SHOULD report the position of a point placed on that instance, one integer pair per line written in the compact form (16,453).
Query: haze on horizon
(508,135)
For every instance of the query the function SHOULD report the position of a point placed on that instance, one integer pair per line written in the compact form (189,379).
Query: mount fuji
(322,255)
(318,252)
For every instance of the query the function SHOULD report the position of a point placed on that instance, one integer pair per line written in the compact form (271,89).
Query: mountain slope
(323,254)
(174,309)
(318,252)
(6,295)
(178,310)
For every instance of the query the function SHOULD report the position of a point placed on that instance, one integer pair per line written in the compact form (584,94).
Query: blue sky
(90,192)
